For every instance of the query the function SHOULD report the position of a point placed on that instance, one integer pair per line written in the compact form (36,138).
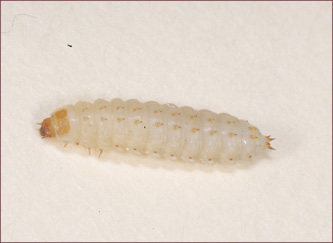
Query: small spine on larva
(158,130)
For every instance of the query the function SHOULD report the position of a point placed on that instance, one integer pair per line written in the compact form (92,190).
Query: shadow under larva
(162,131)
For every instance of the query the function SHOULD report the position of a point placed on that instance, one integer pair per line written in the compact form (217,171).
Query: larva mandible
(159,130)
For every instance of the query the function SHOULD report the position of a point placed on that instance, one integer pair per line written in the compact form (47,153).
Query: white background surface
(266,62)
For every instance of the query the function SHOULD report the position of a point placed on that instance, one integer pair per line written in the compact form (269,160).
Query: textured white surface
(266,62)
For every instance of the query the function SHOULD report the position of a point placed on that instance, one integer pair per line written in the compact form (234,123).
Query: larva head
(62,124)
(56,125)
(47,129)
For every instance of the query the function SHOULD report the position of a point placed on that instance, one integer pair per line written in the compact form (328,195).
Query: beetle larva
(159,130)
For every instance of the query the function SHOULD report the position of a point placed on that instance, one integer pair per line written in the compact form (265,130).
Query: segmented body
(159,130)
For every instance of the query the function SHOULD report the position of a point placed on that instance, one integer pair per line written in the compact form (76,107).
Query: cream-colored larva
(159,130)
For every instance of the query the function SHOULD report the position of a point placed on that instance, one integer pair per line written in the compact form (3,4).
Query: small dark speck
(99,211)
(69,45)
(144,127)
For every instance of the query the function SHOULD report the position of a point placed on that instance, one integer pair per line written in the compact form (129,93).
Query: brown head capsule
(47,130)
(57,124)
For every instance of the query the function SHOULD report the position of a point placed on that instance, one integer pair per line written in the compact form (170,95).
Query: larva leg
(100,153)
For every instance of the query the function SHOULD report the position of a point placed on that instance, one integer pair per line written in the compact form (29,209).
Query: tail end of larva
(268,140)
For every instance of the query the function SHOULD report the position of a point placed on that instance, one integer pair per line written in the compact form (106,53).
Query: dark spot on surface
(69,45)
